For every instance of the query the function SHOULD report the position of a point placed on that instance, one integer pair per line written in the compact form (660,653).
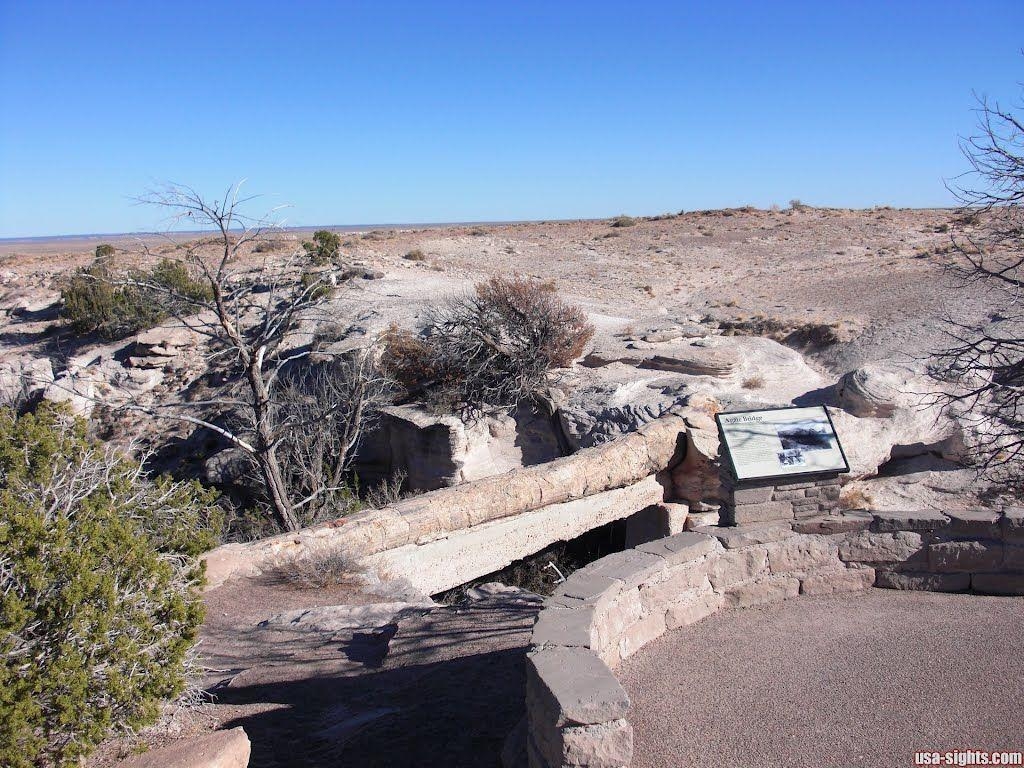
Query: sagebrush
(489,350)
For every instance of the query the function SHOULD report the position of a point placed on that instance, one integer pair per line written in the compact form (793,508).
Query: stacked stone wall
(749,502)
(578,713)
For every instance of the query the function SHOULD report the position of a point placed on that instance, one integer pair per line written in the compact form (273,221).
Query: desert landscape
(593,447)
(693,313)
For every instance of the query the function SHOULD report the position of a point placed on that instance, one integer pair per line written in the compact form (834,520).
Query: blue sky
(461,111)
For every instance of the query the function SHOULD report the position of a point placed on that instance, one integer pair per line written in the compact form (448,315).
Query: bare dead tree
(983,365)
(322,410)
(255,320)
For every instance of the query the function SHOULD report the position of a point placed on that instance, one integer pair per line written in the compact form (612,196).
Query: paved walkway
(851,680)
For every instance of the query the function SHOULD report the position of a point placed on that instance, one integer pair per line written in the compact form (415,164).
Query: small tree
(490,350)
(255,320)
(104,251)
(99,588)
(325,247)
(983,366)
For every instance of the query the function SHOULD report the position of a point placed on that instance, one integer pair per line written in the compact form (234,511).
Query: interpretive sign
(780,442)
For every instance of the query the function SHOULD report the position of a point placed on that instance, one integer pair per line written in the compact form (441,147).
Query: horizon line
(440,224)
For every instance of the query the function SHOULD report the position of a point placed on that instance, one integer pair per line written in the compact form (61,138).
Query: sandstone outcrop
(600,410)
(436,451)
(879,389)
(24,378)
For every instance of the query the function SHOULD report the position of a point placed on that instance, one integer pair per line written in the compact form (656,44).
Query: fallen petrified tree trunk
(653,448)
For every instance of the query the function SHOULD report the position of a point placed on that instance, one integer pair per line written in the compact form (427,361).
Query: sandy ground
(863,267)
(442,688)
(853,680)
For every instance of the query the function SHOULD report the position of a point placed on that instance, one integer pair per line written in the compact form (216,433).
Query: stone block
(603,745)
(808,508)
(831,493)
(797,486)
(737,536)
(761,513)
(589,587)
(787,495)
(1013,557)
(829,581)
(974,523)
(656,596)
(570,627)
(928,582)
(867,547)
(561,601)
(572,686)
(965,556)
(649,628)
(753,495)
(998,583)
(632,567)
(762,591)
(696,520)
(676,514)
(611,622)
(917,520)
(800,553)
(827,525)
(737,565)
(826,482)
(648,524)
(681,548)
(1013,524)
(692,608)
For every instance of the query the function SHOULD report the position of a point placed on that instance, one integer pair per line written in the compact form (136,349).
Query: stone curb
(577,713)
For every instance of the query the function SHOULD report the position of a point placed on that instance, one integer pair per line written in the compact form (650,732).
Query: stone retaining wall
(631,460)
(577,713)
(761,501)
(952,551)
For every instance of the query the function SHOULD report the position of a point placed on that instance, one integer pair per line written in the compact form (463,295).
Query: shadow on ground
(441,689)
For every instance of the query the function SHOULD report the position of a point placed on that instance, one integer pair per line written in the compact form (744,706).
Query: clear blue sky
(442,111)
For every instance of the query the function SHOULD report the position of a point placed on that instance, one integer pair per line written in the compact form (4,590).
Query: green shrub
(180,285)
(324,248)
(99,589)
(94,303)
(96,299)
(415,255)
(104,251)
(623,221)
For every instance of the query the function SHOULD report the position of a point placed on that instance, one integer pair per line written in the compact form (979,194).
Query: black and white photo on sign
(808,435)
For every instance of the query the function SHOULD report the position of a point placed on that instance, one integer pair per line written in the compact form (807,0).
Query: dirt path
(856,680)
(443,688)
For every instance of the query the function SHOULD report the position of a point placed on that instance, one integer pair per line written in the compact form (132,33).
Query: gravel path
(852,680)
